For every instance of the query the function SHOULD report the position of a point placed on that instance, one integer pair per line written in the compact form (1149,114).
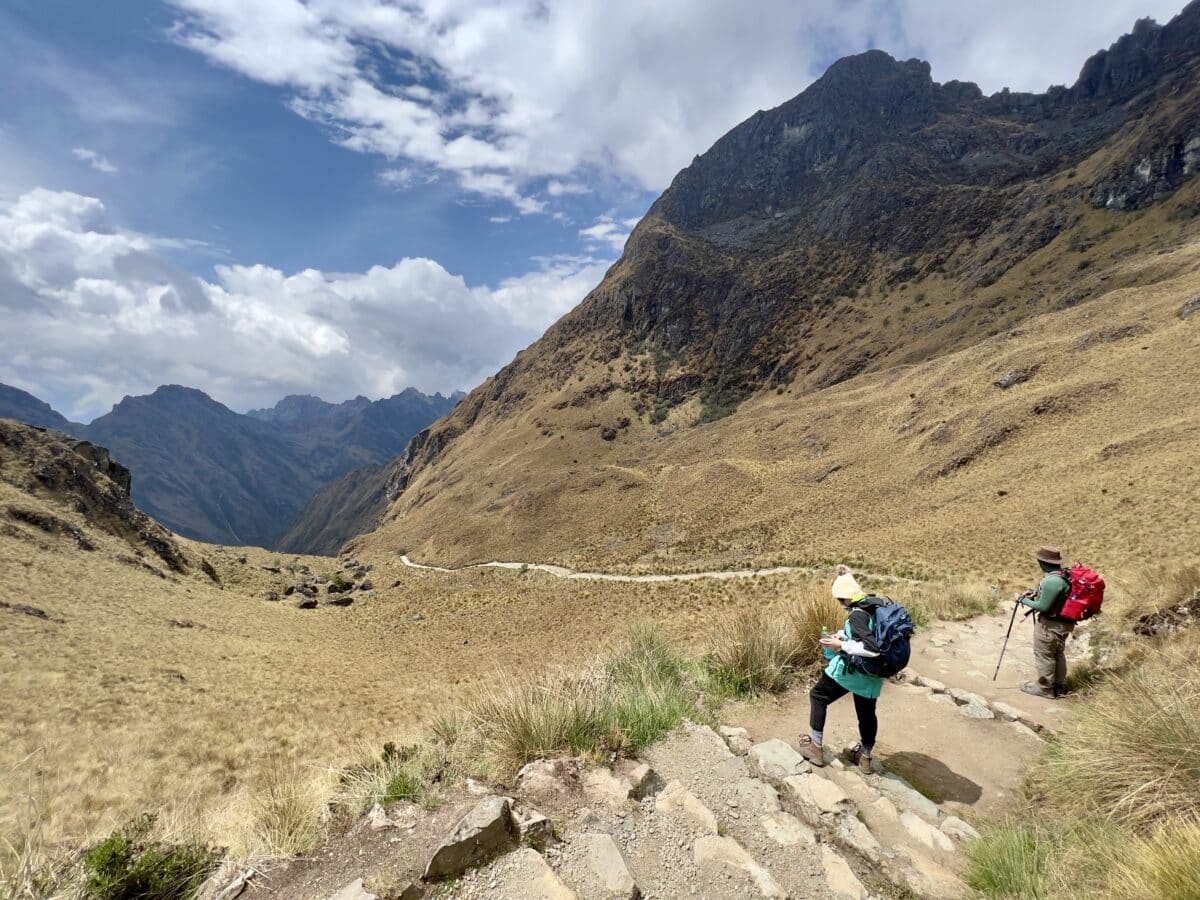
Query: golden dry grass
(116,710)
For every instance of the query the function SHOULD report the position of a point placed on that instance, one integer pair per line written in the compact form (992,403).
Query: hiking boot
(812,751)
(864,763)
(1035,689)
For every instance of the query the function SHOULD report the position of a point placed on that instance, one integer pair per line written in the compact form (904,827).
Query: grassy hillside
(930,466)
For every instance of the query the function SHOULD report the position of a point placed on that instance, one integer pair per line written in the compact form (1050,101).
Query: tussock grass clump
(1165,866)
(623,703)
(752,652)
(1010,860)
(286,808)
(809,611)
(929,602)
(398,773)
(1133,755)
(759,650)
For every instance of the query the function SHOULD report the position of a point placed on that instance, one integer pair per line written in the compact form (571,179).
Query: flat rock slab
(906,796)
(817,793)
(353,891)
(677,801)
(957,828)
(927,834)
(927,879)
(755,796)
(842,881)
(963,697)
(601,857)
(853,833)
(718,854)
(533,828)
(786,830)
(528,876)
(775,760)
(975,710)
(484,831)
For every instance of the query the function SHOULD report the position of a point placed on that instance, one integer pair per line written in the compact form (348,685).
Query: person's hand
(831,641)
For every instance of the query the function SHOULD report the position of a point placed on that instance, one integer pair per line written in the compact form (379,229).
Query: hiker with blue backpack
(872,645)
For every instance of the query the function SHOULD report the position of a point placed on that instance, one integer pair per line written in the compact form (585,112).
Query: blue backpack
(893,629)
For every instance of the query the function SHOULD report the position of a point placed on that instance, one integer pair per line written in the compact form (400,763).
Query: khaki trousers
(1050,651)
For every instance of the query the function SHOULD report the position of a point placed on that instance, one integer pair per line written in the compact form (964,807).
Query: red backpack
(1086,596)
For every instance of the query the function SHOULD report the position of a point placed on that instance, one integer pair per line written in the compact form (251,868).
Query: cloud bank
(519,100)
(93,312)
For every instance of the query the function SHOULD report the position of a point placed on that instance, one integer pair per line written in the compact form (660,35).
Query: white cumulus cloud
(93,311)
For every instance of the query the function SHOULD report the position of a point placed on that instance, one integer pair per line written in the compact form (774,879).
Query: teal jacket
(860,626)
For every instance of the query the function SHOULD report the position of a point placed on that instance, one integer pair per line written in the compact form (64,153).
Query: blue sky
(258,197)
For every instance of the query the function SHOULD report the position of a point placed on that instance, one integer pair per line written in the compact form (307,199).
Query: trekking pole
(1016,606)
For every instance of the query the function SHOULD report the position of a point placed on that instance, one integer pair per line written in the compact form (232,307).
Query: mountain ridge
(876,221)
(213,474)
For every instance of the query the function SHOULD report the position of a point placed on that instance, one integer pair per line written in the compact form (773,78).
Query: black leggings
(825,692)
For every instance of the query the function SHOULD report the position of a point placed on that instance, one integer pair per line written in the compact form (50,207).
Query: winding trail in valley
(564,572)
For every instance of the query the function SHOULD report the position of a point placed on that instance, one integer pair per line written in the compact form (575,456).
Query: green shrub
(129,865)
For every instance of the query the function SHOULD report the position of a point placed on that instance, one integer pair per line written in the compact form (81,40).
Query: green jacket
(860,626)
(1050,593)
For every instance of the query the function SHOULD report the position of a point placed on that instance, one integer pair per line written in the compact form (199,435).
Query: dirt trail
(564,572)
(967,764)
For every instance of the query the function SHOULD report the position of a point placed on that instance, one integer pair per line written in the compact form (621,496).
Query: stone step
(723,854)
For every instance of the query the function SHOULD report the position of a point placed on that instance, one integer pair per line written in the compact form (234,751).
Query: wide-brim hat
(1049,555)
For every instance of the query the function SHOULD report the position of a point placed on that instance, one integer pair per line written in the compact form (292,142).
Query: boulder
(886,809)
(676,800)
(842,881)
(957,828)
(786,830)
(533,828)
(545,780)
(377,818)
(817,794)
(641,777)
(366,585)
(484,831)
(602,786)
(933,684)
(306,603)
(273,596)
(722,854)
(602,858)
(738,739)
(775,760)
(339,600)
(927,834)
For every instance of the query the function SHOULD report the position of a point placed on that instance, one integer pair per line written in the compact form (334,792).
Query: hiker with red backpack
(1064,598)
(872,645)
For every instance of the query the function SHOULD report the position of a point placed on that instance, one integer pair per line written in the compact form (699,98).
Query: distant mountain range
(209,473)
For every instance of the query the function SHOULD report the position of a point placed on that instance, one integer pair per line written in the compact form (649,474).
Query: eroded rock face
(484,831)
